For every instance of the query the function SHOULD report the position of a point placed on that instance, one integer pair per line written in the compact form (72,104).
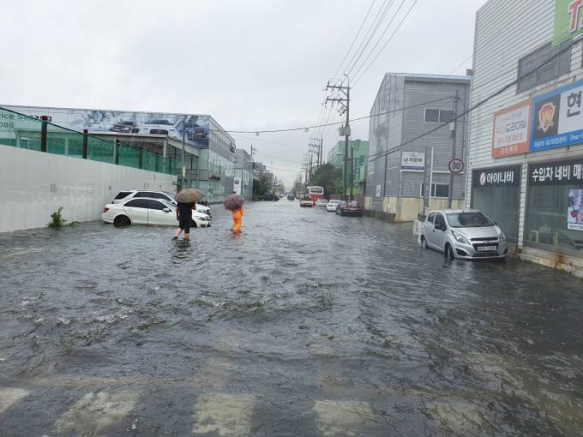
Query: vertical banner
(575,211)
(568,17)
(427,180)
(512,130)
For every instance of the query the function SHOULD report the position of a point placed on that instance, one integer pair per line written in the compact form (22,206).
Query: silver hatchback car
(464,234)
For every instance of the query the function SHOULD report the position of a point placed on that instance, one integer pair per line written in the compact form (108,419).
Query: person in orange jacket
(238,219)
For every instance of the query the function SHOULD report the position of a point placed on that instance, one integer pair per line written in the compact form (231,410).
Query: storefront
(554,207)
(496,192)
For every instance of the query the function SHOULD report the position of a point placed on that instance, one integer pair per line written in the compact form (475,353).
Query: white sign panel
(413,161)
(378,192)
(237,186)
(511,131)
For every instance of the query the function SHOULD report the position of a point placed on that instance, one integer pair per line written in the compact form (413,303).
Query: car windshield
(468,220)
(127,123)
(335,201)
(159,121)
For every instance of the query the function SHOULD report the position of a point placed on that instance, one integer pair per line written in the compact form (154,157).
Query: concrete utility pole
(345,102)
(351,179)
(453,128)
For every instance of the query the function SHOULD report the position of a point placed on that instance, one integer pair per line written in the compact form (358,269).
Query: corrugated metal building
(526,144)
(408,106)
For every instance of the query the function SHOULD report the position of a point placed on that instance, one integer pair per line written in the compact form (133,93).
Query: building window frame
(439,115)
(434,191)
(560,66)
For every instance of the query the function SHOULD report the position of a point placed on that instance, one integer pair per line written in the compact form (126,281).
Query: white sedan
(143,211)
(332,205)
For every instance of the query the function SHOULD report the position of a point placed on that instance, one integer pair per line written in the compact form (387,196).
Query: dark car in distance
(350,209)
(126,127)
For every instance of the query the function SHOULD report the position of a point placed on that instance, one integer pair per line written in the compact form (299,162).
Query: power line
(461,65)
(476,106)
(380,38)
(387,43)
(355,38)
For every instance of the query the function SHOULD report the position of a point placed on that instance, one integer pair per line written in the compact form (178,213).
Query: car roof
(455,211)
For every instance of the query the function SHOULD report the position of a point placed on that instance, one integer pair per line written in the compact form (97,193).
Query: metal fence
(22,131)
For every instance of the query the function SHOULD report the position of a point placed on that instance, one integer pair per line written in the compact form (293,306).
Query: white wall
(35,184)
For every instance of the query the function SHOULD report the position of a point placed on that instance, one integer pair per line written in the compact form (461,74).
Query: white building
(526,144)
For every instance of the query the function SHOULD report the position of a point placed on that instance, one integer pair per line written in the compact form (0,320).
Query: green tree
(261,187)
(329,177)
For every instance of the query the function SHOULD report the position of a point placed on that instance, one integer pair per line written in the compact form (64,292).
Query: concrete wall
(411,208)
(34,184)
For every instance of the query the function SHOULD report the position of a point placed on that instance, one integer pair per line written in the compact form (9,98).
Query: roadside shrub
(57,220)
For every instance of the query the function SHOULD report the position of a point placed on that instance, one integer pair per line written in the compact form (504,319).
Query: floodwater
(306,324)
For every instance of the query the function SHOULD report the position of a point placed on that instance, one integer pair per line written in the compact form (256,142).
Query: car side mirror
(166,210)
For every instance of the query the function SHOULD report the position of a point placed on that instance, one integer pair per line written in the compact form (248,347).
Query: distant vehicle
(350,209)
(144,211)
(291,197)
(332,205)
(154,194)
(194,131)
(464,234)
(322,202)
(306,201)
(160,126)
(315,193)
(126,127)
(271,197)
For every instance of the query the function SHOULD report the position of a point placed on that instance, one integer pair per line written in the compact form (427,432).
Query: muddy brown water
(306,324)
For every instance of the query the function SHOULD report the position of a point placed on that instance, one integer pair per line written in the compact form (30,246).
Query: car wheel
(194,224)
(449,252)
(122,221)
(423,243)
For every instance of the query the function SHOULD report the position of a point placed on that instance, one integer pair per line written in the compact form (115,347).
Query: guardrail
(22,131)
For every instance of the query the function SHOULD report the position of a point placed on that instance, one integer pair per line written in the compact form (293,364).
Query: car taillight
(105,210)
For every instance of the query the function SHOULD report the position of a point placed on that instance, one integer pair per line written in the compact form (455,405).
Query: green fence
(19,130)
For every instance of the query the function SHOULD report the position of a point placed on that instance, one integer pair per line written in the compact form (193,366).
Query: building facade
(359,150)
(526,143)
(204,152)
(408,107)
(243,183)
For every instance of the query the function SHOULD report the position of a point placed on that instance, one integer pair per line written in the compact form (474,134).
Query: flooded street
(306,324)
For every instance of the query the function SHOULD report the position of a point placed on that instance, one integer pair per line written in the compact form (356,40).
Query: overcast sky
(251,64)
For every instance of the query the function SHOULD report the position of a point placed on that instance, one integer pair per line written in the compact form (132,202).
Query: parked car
(468,234)
(154,194)
(291,197)
(322,202)
(306,201)
(144,211)
(160,126)
(349,209)
(126,127)
(332,205)
(271,197)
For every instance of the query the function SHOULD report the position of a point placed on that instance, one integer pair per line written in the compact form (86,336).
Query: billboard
(557,118)
(511,130)
(575,210)
(568,20)
(195,128)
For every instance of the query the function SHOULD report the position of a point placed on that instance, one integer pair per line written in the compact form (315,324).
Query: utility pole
(453,128)
(351,173)
(183,149)
(345,102)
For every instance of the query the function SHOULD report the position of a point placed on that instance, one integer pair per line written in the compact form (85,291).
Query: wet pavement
(307,324)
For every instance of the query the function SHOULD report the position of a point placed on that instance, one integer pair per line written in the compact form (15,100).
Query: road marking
(96,411)
(10,396)
(345,418)
(224,415)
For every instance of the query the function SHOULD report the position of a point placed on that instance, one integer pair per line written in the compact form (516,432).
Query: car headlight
(460,238)
(502,237)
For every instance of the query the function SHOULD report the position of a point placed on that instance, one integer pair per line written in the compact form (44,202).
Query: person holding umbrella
(234,203)
(186,200)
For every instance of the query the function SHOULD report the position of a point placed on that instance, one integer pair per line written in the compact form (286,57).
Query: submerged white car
(154,194)
(144,211)
(332,205)
(464,234)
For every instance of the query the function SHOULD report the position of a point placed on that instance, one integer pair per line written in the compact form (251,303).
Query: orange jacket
(238,213)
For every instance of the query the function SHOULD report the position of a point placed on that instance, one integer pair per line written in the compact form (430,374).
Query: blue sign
(557,119)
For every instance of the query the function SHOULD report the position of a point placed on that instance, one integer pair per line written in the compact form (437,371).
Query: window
(431,217)
(432,116)
(438,116)
(437,190)
(439,220)
(445,116)
(533,72)
(138,203)
(154,204)
(122,195)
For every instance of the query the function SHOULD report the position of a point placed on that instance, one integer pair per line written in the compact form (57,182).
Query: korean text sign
(511,130)
(568,20)
(556,173)
(557,118)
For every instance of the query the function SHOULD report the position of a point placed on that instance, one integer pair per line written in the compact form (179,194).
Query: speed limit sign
(456,166)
